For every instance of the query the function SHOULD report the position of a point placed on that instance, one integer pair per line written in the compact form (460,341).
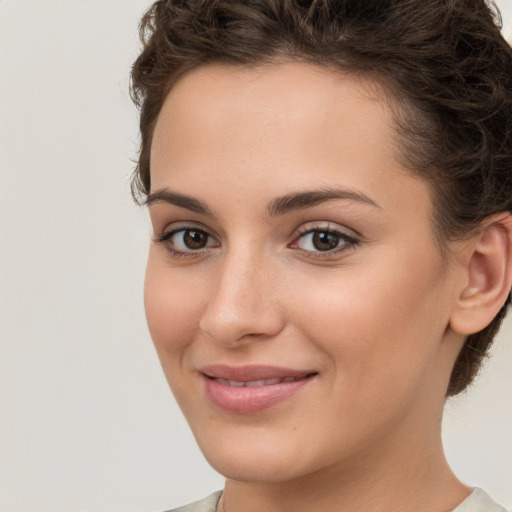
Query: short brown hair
(445,63)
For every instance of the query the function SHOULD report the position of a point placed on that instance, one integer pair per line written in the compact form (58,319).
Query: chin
(255,456)
(259,454)
(246,467)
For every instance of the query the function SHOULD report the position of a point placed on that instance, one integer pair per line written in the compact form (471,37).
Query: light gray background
(86,420)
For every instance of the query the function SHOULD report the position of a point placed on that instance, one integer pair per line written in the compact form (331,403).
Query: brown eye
(187,240)
(325,240)
(195,239)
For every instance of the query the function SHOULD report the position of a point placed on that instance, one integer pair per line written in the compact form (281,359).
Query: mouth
(251,389)
(257,383)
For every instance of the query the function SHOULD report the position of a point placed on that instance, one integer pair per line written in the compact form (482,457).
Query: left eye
(323,240)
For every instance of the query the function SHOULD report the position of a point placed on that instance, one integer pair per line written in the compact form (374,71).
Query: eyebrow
(181,200)
(308,199)
(279,206)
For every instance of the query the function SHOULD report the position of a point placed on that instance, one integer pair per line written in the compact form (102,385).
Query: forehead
(277,127)
(273,95)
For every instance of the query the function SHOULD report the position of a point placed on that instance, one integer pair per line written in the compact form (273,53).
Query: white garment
(209,504)
(477,501)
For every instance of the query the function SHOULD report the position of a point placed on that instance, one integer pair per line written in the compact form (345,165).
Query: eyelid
(348,239)
(313,226)
(169,234)
(351,241)
(172,229)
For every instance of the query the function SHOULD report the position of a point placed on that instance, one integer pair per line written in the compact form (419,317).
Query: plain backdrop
(86,420)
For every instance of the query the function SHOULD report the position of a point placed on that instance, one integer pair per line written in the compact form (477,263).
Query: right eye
(186,241)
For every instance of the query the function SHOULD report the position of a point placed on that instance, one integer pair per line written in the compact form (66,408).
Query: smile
(251,389)
(257,383)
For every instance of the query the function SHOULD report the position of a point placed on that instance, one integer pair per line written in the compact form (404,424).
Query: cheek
(380,327)
(173,306)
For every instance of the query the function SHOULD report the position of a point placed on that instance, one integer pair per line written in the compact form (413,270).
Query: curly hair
(445,64)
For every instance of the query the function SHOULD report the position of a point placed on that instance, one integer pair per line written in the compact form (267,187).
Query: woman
(330,190)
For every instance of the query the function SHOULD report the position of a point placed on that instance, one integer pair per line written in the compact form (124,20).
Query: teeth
(256,383)
(235,383)
(269,382)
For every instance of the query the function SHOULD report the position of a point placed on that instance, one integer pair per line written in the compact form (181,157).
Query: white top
(477,501)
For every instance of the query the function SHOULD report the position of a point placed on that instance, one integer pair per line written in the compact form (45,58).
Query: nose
(243,304)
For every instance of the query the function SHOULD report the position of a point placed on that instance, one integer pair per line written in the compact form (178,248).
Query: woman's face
(295,294)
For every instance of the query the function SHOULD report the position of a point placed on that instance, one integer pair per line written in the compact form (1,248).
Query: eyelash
(165,238)
(349,242)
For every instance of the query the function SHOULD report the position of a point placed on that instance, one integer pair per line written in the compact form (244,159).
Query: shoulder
(479,501)
(208,504)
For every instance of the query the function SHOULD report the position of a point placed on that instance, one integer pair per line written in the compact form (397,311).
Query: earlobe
(488,276)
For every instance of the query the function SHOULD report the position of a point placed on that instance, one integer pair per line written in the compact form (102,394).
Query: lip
(254,388)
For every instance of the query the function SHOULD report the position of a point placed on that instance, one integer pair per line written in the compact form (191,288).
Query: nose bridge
(242,303)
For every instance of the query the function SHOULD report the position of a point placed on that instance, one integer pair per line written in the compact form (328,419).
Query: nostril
(235,344)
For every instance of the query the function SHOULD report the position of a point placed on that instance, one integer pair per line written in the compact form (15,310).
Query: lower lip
(249,400)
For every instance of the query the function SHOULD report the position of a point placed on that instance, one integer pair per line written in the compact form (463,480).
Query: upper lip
(251,372)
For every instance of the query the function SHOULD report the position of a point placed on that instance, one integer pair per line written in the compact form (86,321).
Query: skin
(372,318)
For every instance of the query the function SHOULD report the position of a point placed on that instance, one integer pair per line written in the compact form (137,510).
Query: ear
(487,276)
